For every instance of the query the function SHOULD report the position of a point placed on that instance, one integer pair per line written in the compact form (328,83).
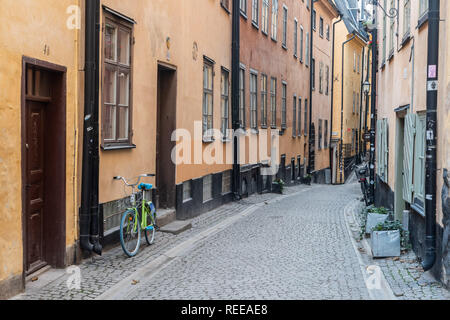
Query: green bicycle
(141,216)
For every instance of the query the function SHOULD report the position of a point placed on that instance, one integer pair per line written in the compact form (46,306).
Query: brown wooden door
(34,187)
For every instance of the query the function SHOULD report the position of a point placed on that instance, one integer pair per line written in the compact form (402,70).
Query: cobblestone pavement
(298,248)
(99,274)
(404,274)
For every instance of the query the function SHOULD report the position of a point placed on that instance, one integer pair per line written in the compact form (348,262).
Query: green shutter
(419,159)
(378,146)
(408,156)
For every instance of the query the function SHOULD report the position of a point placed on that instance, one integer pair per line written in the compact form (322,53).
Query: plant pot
(307,181)
(373,219)
(276,188)
(386,244)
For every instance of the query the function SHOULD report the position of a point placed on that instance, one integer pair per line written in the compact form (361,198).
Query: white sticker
(432,85)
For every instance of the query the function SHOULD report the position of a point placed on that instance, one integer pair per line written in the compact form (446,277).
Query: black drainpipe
(430,165)
(89,224)
(311,57)
(235,62)
(341,149)
(360,105)
(332,85)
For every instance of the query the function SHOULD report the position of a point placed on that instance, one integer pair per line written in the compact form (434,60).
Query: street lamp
(393,12)
(366,87)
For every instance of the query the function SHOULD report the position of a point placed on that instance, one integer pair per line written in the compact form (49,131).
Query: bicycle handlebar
(147,175)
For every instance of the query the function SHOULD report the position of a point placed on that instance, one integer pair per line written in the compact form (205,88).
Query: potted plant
(307,179)
(387,238)
(374,216)
(278,186)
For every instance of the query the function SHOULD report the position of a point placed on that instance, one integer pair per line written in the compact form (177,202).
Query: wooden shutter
(385,149)
(408,156)
(419,160)
(379,146)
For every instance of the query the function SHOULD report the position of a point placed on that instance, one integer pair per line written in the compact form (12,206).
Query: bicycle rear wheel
(130,233)
(150,231)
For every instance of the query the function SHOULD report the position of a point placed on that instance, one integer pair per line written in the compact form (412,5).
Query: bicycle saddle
(145,186)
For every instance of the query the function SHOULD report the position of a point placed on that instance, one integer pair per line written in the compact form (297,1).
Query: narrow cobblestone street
(295,246)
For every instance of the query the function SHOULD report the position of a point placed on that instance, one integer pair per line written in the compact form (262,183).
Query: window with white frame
(243,6)
(274,19)
(225,105)
(327,80)
(263,100)
(273,102)
(321,27)
(306,118)
(320,134)
(307,50)
(253,100)
(242,97)
(208,96)
(392,31)
(295,37)
(299,120)
(265,16)
(321,77)
(294,117)
(423,7)
(406,17)
(285,17)
(255,12)
(301,43)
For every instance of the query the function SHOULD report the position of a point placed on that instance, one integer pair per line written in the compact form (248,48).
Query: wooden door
(34,188)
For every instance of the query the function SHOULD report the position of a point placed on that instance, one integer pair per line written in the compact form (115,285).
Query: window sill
(383,64)
(422,20)
(282,131)
(391,55)
(225,8)
(274,40)
(255,25)
(418,209)
(208,139)
(264,127)
(273,127)
(226,140)
(244,15)
(254,131)
(406,38)
(117,147)
(284,47)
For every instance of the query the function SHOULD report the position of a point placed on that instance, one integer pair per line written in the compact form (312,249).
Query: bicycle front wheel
(130,233)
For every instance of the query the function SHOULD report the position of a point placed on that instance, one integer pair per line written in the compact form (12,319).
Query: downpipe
(431,135)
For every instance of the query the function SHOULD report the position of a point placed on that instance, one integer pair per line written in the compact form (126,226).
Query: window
(283,105)
(253,100)
(307,3)
(285,14)
(354,61)
(423,7)
(242,97)
(294,117)
(306,117)
(391,32)
(314,20)
(320,77)
(353,103)
(117,65)
(382,149)
(325,142)
(313,74)
(307,49)
(328,32)
(187,191)
(207,188)
(225,4)
(295,37)
(274,19)
(243,6)
(321,27)
(299,120)
(226,182)
(263,100)
(358,63)
(301,44)
(255,12)
(265,16)
(273,102)
(327,79)
(406,17)
(225,106)
(320,134)
(208,96)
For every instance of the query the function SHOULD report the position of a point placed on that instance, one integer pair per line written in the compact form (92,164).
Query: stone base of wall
(384,196)
(320,176)
(11,287)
